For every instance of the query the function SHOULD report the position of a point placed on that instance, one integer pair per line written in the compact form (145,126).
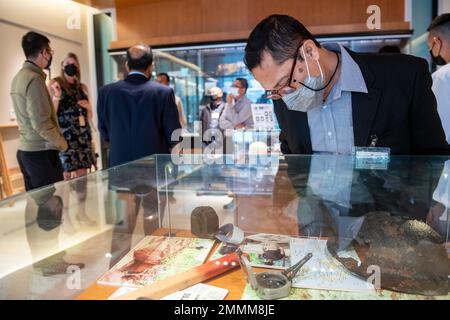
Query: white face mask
(234,91)
(306,98)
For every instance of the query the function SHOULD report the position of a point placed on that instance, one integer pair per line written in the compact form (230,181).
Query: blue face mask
(310,95)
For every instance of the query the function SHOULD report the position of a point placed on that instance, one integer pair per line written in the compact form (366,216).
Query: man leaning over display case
(328,99)
(439,44)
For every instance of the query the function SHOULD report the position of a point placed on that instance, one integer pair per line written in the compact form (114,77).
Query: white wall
(443,6)
(51,18)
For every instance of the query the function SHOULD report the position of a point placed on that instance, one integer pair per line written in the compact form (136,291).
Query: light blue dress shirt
(441,89)
(239,113)
(331,125)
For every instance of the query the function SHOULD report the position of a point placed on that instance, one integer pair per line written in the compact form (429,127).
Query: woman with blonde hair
(74,112)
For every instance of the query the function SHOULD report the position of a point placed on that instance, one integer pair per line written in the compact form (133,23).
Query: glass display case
(196,69)
(374,232)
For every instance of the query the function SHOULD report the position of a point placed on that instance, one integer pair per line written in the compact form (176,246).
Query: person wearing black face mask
(439,44)
(210,115)
(70,99)
(71,103)
(40,137)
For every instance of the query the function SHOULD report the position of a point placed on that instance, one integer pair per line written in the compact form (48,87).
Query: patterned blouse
(74,124)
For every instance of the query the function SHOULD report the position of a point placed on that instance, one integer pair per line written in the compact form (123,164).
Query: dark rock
(410,254)
(204,222)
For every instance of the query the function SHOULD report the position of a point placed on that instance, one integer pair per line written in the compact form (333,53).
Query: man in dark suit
(329,99)
(137,116)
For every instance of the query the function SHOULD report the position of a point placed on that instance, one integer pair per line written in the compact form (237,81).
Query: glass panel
(60,242)
(206,68)
(195,70)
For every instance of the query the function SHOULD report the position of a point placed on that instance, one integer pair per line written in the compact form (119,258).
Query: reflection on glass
(354,219)
(195,70)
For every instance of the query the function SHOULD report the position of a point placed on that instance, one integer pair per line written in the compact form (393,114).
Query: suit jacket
(399,108)
(137,117)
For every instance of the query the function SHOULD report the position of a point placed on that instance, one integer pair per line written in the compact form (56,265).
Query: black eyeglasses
(287,88)
(49,51)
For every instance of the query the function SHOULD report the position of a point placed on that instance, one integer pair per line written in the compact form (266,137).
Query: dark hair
(389,49)
(33,43)
(163,74)
(441,25)
(49,217)
(243,82)
(141,62)
(279,35)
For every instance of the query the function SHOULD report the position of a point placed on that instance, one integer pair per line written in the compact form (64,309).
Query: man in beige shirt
(164,79)
(40,137)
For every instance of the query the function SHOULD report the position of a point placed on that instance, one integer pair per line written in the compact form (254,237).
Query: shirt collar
(33,66)
(137,72)
(213,106)
(351,78)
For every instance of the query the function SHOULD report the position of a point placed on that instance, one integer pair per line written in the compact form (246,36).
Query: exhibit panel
(259,227)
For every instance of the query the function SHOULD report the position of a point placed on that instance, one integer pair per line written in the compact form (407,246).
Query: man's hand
(435,213)
(56,89)
(240,126)
(230,99)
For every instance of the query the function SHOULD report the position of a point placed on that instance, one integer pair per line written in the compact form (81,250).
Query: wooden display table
(233,280)
(262,215)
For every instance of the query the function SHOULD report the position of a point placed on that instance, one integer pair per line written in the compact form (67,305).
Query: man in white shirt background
(164,79)
(439,44)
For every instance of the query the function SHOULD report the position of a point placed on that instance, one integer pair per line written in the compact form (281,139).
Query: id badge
(215,116)
(371,158)
(82,121)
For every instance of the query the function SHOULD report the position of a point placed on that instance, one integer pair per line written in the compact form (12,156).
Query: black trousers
(40,168)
